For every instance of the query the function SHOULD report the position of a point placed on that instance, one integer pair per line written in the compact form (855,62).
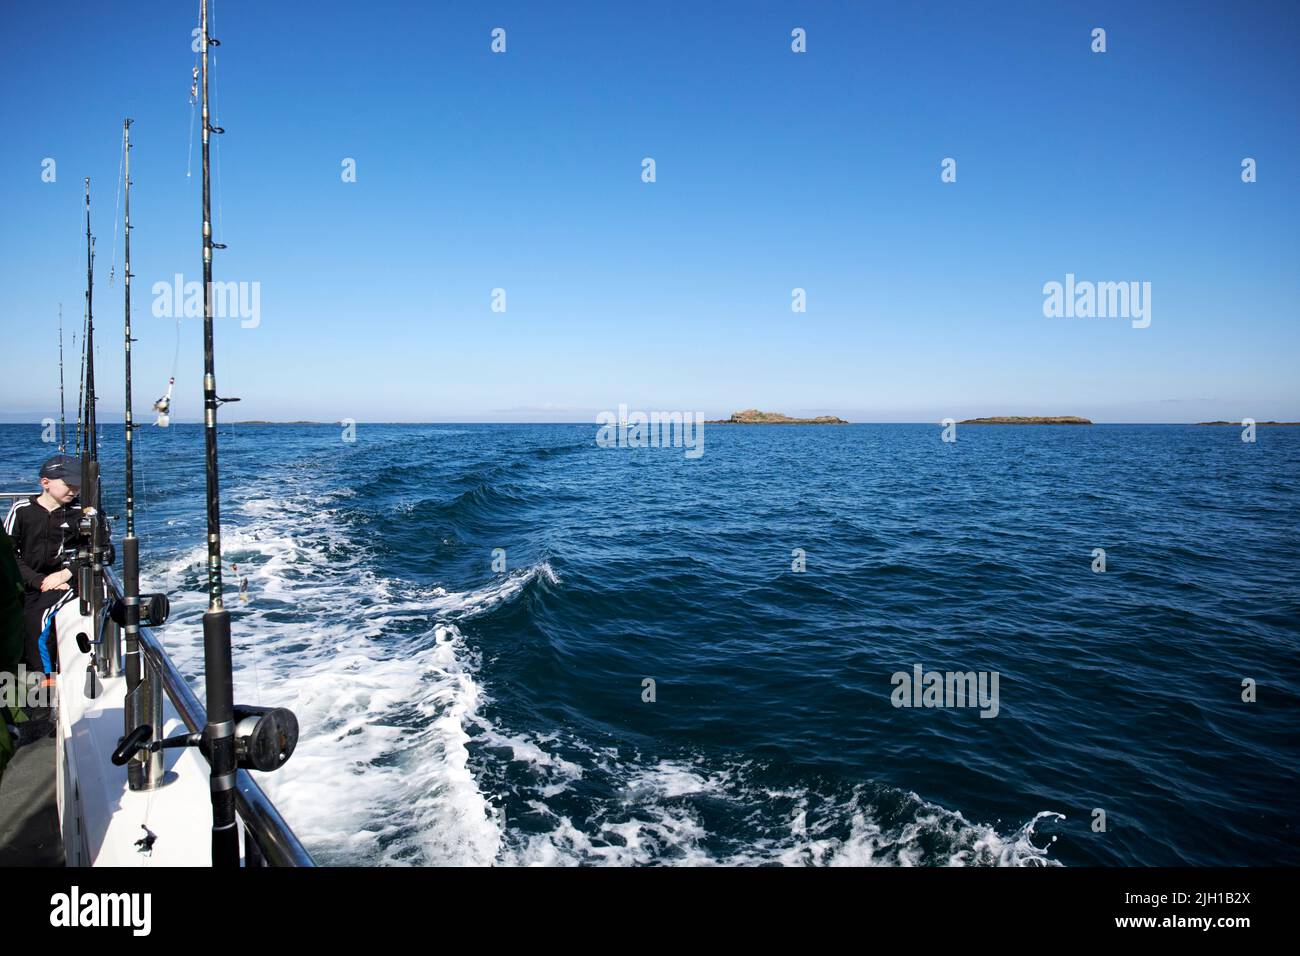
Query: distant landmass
(752,416)
(259,422)
(1238,424)
(1028,420)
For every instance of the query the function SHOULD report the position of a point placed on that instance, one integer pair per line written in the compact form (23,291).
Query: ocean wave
(398,763)
(676,813)
(384,691)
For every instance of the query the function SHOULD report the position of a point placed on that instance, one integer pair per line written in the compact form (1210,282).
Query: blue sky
(775,170)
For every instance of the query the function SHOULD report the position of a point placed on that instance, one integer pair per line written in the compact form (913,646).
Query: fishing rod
(234,737)
(130,428)
(142,704)
(253,737)
(92,532)
(63,424)
(81,378)
(218,666)
(88,574)
(88,343)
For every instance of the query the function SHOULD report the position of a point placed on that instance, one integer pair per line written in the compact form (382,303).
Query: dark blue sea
(650,681)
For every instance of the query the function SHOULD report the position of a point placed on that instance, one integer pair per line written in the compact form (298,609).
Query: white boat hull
(102,819)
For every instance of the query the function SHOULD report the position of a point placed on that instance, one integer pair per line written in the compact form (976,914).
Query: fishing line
(98,439)
(244,599)
(194,100)
(216,102)
(112,262)
(81,384)
(164,405)
(189,158)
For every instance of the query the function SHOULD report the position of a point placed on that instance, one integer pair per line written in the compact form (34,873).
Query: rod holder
(110,649)
(143,706)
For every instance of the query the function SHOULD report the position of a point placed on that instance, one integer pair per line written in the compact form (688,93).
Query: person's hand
(58,581)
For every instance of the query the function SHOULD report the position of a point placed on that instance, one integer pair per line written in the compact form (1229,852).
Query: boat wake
(399,763)
(616,808)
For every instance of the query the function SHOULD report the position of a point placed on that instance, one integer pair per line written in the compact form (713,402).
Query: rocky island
(752,416)
(1028,420)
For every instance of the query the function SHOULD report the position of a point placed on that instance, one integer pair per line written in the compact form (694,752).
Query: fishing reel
(85,526)
(265,738)
(92,549)
(85,532)
(67,557)
(154,610)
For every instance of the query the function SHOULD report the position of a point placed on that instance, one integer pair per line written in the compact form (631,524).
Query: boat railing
(271,841)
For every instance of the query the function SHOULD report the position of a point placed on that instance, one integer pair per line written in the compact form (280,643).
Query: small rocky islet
(752,416)
(1028,420)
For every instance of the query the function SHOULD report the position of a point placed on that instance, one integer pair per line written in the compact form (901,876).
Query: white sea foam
(655,818)
(381,772)
(389,702)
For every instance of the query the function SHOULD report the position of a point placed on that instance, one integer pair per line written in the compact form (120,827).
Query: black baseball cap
(67,467)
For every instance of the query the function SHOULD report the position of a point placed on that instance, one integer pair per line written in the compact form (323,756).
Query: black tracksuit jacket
(40,538)
(43,540)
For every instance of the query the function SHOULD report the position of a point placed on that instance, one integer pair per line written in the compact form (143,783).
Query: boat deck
(29,812)
(64,803)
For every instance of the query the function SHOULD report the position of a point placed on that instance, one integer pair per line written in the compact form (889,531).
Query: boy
(44,532)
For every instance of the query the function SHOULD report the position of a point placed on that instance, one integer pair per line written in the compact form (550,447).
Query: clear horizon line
(333,424)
